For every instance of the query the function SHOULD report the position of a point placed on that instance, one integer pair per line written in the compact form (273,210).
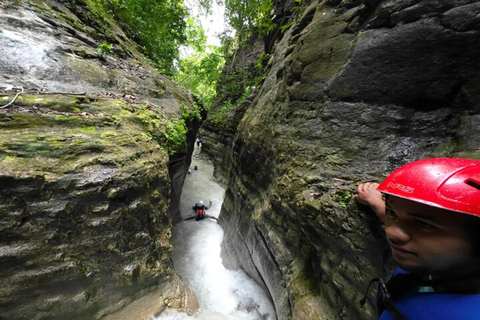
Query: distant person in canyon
(431,212)
(200,209)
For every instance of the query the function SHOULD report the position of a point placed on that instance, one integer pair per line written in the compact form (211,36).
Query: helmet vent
(473,183)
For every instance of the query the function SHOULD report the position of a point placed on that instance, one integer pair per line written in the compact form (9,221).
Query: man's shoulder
(439,306)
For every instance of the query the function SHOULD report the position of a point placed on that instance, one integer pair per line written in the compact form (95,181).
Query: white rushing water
(223,294)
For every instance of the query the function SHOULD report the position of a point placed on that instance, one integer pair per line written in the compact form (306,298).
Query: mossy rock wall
(85,227)
(87,186)
(355,89)
(217,138)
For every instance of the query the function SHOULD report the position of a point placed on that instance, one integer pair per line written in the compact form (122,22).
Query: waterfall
(223,294)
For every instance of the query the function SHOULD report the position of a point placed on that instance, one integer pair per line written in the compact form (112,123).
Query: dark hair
(472,226)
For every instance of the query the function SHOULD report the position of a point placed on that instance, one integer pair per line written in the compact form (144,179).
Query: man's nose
(397,234)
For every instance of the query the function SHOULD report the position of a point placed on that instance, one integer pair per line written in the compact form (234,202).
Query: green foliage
(219,117)
(260,60)
(264,21)
(103,49)
(244,95)
(190,115)
(154,124)
(250,20)
(200,73)
(343,197)
(196,36)
(247,15)
(170,134)
(175,135)
(286,26)
(158,26)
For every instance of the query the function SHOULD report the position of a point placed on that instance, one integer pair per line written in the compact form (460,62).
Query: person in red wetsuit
(200,209)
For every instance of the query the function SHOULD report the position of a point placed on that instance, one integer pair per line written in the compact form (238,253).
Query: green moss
(79,142)
(335,161)
(69,208)
(468,155)
(346,91)
(57,144)
(159,82)
(20,121)
(88,130)
(121,135)
(220,116)
(446,148)
(108,135)
(9,159)
(11,163)
(301,286)
(157,93)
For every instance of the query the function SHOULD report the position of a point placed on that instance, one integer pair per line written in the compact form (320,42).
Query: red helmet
(447,183)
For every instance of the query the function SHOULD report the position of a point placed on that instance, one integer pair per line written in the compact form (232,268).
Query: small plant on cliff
(261,59)
(190,114)
(169,134)
(297,7)
(103,49)
(175,135)
(343,197)
(286,26)
(219,117)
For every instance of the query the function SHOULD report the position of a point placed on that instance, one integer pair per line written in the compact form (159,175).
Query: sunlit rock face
(355,89)
(85,188)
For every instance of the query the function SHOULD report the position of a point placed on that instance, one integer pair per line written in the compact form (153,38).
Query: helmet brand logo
(401,187)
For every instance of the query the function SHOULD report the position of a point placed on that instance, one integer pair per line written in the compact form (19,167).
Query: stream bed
(222,294)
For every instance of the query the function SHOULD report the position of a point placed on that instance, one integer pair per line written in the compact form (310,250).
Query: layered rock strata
(355,89)
(85,187)
(216,140)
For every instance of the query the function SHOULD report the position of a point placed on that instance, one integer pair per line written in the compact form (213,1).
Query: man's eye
(423,224)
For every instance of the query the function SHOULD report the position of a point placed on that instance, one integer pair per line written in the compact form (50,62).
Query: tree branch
(15,98)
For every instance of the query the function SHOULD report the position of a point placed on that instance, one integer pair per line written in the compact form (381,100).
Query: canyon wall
(354,90)
(86,194)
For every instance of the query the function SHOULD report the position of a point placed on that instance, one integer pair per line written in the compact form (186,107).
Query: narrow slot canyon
(297,105)
(222,294)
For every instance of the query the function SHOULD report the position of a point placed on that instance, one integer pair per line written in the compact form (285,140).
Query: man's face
(425,238)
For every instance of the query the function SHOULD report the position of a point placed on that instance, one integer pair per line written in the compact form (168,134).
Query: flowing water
(223,294)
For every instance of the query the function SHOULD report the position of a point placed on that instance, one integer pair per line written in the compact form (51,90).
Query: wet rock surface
(85,187)
(216,140)
(355,89)
(46,48)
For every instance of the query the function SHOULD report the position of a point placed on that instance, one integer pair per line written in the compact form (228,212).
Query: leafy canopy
(162,27)
(200,73)
(206,72)
(158,26)
(245,16)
